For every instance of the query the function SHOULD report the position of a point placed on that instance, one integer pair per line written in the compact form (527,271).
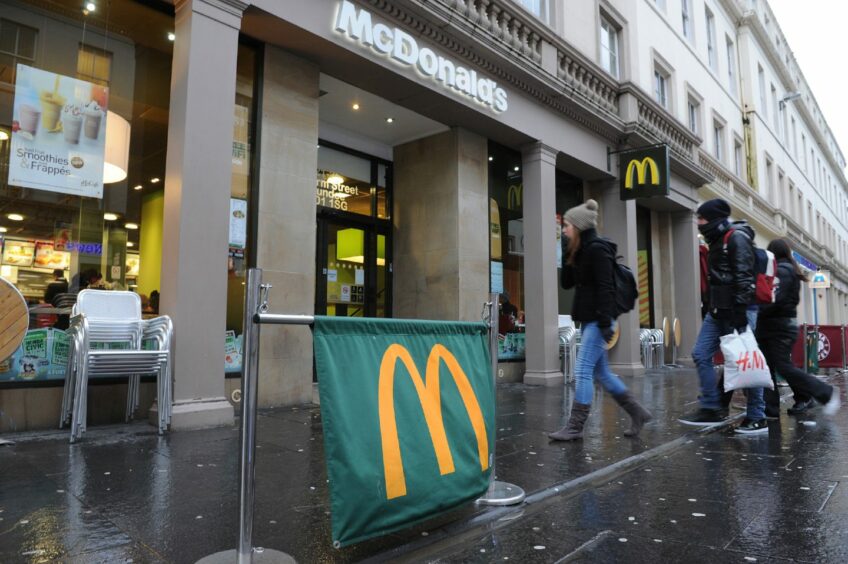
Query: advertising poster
(644,290)
(238,223)
(48,257)
(133,264)
(18,253)
(58,133)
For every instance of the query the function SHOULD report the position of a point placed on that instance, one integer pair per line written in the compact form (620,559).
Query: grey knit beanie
(584,216)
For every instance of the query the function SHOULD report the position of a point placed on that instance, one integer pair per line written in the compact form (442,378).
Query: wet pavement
(125,494)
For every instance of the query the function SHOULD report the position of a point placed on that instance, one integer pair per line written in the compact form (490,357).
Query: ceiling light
(131,225)
(355,106)
(154,180)
(110,216)
(90,6)
(515,169)
(3,229)
(491,159)
(390,120)
(171,36)
(15,216)
(335,179)
(3,135)
(130,244)
(138,187)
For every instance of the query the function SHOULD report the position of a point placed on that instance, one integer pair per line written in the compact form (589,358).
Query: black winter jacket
(788,294)
(591,276)
(731,272)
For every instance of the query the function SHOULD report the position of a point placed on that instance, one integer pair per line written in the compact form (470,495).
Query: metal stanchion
(499,493)
(255,305)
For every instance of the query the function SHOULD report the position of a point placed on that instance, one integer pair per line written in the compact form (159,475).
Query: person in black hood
(777,330)
(588,262)
(731,293)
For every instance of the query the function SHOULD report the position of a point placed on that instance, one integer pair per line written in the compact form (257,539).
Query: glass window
(694,115)
(718,141)
(94,218)
(731,66)
(761,80)
(737,158)
(344,181)
(538,8)
(661,88)
(609,47)
(686,9)
(711,40)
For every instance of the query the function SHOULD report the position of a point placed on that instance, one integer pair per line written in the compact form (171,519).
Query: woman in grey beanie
(588,262)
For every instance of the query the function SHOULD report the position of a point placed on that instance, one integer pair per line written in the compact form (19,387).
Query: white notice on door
(332,275)
(360,276)
(345,297)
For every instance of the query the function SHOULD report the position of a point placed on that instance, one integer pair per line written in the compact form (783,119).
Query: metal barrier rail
(569,338)
(652,344)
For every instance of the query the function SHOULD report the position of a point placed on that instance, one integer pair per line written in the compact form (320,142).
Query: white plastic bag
(744,363)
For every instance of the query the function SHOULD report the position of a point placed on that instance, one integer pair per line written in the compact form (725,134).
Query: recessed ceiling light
(171,36)
(390,120)
(335,179)
(355,106)
(130,244)
(491,159)
(15,216)
(154,180)
(138,187)
(3,135)
(3,229)
(110,216)
(515,169)
(131,225)
(90,6)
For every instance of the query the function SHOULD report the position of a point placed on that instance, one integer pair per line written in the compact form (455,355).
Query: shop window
(94,65)
(17,45)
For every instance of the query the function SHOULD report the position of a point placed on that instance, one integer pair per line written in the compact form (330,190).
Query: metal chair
(108,337)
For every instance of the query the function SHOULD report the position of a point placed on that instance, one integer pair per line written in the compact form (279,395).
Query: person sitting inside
(58,286)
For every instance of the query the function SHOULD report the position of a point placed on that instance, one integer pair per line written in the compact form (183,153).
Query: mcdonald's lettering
(429,396)
(642,168)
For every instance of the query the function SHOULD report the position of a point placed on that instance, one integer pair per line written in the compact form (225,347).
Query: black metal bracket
(611,153)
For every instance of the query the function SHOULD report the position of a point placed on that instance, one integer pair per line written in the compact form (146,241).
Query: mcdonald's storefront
(380,167)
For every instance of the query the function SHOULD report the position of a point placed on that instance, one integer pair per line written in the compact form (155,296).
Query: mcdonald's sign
(644,173)
(407,408)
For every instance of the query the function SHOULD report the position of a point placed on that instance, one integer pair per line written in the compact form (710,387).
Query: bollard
(500,493)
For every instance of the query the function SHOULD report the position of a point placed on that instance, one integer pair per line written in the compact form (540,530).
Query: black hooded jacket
(788,294)
(591,276)
(731,272)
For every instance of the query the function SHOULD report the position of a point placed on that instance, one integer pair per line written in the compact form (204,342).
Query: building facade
(401,159)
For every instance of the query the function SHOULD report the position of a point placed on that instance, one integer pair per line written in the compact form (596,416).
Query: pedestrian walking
(731,295)
(588,268)
(777,330)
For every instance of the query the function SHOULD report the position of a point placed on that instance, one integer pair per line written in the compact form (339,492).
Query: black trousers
(776,337)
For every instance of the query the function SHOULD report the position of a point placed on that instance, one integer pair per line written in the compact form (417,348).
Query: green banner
(408,414)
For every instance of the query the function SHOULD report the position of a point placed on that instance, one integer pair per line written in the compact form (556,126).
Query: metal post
(255,302)
(499,493)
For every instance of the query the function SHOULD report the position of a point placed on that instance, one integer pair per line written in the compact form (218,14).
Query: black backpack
(624,282)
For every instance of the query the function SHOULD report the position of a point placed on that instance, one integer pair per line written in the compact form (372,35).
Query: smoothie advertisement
(58,133)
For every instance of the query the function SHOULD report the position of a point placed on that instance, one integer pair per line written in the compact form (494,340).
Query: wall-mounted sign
(238,223)
(404,49)
(58,133)
(820,279)
(48,257)
(18,253)
(804,262)
(644,173)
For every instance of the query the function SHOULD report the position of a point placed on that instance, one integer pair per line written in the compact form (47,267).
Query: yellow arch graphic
(429,394)
(514,196)
(642,169)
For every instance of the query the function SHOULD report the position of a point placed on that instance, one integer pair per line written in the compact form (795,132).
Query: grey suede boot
(638,414)
(573,430)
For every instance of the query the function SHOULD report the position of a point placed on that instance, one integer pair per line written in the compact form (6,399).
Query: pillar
(617,221)
(197,197)
(687,282)
(540,269)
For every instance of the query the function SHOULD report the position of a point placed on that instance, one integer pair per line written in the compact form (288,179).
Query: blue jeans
(705,349)
(592,362)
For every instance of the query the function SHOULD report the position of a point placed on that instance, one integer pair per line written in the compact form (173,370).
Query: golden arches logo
(642,168)
(429,394)
(514,196)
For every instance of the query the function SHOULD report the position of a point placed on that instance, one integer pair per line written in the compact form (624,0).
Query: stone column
(540,270)
(197,198)
(687,282)
(617,221)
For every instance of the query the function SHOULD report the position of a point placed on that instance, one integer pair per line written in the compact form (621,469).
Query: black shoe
(703,417)
(801,407)
(750,427)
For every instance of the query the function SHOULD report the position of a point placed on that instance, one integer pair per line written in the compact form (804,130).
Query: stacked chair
(108,337)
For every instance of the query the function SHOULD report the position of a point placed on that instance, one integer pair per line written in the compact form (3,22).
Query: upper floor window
(737,157)
(538,8)
(660,4)
(774,111)
(712,56)
(718,140)
(17,45)
(661,88)
(731,65)
(686,9)
(609,47)
(761,81)
(94,65)
(694,115)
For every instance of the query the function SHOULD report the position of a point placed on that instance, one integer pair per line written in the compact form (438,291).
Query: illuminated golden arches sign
(429,394)
(644,173)
(642,168)
(514,196)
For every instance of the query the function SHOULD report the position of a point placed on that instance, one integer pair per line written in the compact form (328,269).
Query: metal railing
(652,344)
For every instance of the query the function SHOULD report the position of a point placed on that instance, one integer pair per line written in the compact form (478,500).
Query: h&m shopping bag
(744,363)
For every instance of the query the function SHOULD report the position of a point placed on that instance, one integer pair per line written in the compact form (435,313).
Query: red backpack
(765,270)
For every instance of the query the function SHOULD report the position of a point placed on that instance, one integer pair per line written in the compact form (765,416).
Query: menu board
(18,253)
(47,257)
